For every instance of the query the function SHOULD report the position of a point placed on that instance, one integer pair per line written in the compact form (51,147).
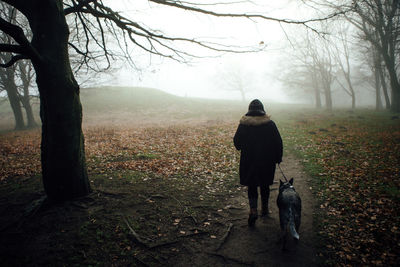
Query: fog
(204,77)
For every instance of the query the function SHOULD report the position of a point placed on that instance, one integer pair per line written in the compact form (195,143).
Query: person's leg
(264,191)
(253,197)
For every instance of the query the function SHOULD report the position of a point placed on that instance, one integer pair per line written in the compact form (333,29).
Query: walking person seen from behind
(260,143)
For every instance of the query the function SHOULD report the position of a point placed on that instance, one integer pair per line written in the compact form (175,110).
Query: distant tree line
(359,49)
(17,79)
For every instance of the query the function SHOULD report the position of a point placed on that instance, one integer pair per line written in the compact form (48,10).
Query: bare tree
(313,59)
(7,83)
(342,58)
(325,70)
(62,149)
(17,79)
(233,76)
(26,75)
(379,21)
(7,76)
(300,80)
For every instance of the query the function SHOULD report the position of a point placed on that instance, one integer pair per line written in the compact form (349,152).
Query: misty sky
(207,77)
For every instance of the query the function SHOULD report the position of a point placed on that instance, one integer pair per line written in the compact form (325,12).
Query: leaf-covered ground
(155,190)
(164,191)
(354,159)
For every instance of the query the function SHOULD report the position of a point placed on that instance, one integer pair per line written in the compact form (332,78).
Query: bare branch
(12,48)
(18,35)
(215,4)
(242,15)
(77,7)
(13,60)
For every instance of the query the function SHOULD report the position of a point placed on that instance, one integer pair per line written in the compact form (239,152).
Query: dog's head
(285,185)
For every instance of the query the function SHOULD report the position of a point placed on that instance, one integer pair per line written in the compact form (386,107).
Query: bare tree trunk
(13,97)
(378,104)
(389,41)
(25,69)
(7,77)
(317,92)
(394,84)
(328,97)
(317,98)
(62,150)
(352,92)
(395,105)
(31,123)
(384,87)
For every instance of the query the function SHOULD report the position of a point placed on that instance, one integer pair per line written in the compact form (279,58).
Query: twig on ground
(163,244)
(226,259)
(138,239)
(185,210)
(225,236)
(196,233)
(193,218)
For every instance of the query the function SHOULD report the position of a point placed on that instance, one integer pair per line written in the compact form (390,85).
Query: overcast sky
(206,77)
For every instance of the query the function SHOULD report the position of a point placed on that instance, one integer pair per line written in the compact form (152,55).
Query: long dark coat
(260,143)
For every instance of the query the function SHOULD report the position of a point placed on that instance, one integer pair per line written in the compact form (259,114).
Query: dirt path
(260,246)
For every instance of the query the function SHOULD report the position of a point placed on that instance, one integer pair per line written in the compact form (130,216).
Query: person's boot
(252,217)
(264,209)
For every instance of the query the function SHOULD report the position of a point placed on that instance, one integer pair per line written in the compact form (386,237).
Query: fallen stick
(226,259)
(138,239)
(225,236)
(185,210)
(163,244)
(195,234)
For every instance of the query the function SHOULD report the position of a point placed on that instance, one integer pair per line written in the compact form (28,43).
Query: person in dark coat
(260,143)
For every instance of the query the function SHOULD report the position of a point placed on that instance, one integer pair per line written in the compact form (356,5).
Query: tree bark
(395,105)
(317,92)
(12,94)
(31,123)
(394,84)
(378,104)
(25,69)
(15,104)
(384,88)
(62,149)
(328,97)
(351,89)
(317,98)
(7,78)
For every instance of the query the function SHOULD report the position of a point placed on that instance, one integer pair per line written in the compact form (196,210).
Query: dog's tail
(292,228)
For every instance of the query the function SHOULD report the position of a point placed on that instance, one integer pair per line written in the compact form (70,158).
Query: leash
(279,165)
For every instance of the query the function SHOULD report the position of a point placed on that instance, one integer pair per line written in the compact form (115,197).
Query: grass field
(354,159)
(163,170)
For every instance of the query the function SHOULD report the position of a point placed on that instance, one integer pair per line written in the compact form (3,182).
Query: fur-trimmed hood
(255,120)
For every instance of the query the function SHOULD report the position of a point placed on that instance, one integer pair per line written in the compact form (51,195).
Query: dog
(289,204)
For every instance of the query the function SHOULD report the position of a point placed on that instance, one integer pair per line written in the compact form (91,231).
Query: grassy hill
(125,98)
(143,106)
(137,105)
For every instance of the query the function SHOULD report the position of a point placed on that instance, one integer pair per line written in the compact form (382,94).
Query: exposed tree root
(227,259)
(225,236)
(137,238)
